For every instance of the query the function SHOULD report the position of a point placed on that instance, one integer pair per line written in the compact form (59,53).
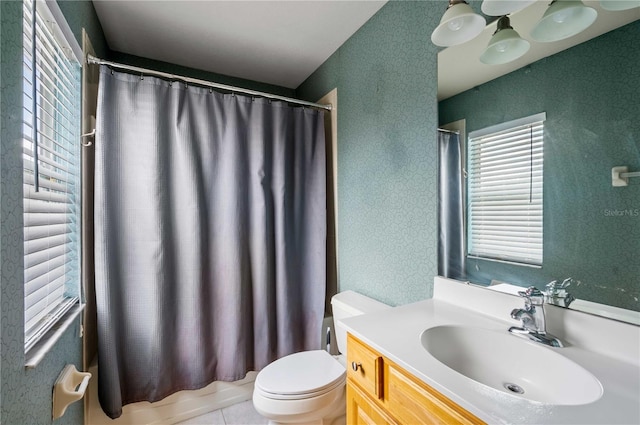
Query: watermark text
(630,212)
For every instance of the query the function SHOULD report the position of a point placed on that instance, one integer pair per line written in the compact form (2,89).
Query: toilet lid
(299,374)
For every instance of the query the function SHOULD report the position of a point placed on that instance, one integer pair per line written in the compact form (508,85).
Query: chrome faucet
(532,317)
(557,293)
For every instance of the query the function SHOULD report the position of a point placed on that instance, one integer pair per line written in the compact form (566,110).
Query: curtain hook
(210,90)
(90,134)
(141,77)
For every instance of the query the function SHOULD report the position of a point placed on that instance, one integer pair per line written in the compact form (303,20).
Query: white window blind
(52,210)
(505,191)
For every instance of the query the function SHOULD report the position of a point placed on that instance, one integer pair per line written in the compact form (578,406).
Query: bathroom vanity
(451,359)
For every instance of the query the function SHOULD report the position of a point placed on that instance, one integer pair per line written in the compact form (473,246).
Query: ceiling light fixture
(505,45)
(615,5)
(458,25)
(563,19)
(504,7)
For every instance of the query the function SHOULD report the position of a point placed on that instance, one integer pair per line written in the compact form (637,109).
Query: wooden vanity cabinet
(379,392)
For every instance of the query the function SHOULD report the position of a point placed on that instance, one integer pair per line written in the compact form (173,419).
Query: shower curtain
(451,248)
(210,227)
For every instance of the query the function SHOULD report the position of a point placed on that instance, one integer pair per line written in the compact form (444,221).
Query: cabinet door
(361,410)
(413,402)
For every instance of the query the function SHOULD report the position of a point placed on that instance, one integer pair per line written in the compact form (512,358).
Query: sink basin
(515,366)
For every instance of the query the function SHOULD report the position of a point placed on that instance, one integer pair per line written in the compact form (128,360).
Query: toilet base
(328,409)
(336,420)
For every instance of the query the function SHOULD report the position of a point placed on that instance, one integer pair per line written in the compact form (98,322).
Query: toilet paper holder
(69,387)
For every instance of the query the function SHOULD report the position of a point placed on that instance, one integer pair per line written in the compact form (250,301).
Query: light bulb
(505,45)
(502,47)
(458,25)
(562,15)
(455,24)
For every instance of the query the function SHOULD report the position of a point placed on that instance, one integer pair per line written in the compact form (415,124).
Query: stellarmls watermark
(630,212)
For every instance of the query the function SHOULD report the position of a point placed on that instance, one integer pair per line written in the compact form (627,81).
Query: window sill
(37,353)
(512,262)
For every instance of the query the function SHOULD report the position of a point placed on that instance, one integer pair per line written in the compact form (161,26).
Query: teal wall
(81,14)
(25,395)
(591,96)
(386,76)
(2,238)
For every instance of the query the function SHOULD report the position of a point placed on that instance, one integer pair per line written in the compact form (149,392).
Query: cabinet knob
(355,366)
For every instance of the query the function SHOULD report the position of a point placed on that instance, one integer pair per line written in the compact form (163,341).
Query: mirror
(590,92)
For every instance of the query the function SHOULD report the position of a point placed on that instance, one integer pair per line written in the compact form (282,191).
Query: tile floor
(238,414)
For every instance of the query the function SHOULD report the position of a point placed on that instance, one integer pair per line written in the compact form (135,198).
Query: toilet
(309,387)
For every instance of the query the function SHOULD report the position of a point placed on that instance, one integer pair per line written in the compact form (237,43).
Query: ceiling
(460,69)
(275,42)
(283,42)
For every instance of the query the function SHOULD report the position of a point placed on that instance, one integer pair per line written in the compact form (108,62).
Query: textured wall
(591,229)
(25,394)
(2,127)
(386,76)
(81,14)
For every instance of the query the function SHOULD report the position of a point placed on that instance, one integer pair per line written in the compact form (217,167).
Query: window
(51,176)
(505,191)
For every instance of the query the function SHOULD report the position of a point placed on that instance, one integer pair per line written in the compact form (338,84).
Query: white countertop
(395,333)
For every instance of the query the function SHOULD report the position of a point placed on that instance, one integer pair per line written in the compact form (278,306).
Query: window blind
(51,176)
(505,192)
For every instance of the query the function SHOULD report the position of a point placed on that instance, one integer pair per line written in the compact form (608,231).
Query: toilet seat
(301,375)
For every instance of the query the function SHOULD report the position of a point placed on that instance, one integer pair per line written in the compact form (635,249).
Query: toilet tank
(348,304)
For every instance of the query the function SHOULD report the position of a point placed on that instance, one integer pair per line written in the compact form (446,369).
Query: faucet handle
(532,295)
(557,293)
(554,287)
(565,283)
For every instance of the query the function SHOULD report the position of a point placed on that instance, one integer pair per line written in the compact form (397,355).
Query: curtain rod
(94,60)
(444,130)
